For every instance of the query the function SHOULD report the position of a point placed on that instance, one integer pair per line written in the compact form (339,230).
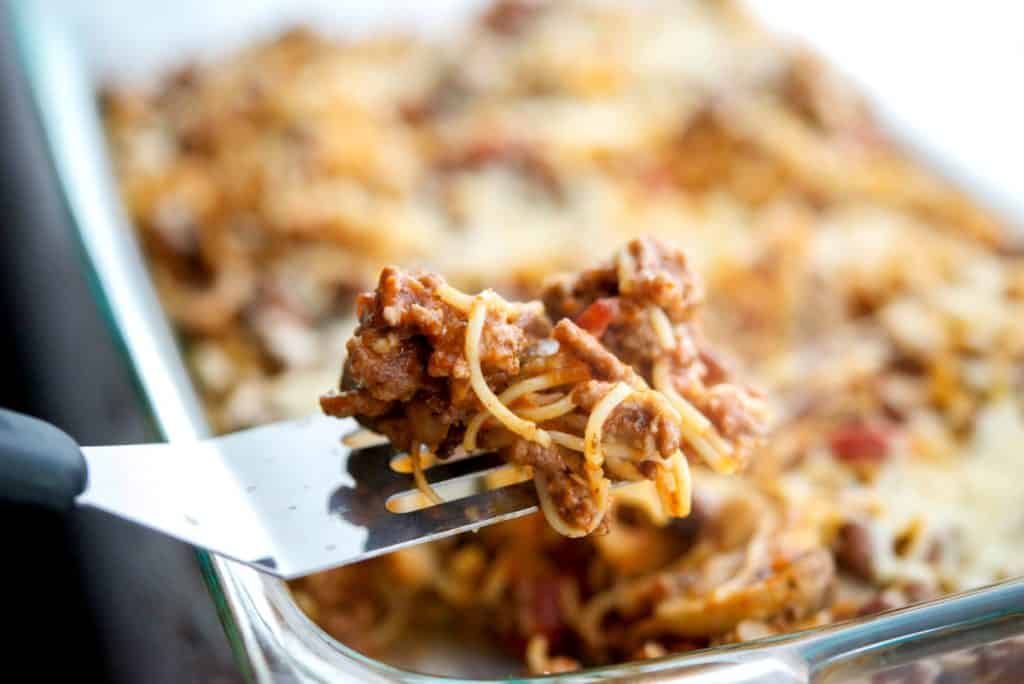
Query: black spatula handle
(39,463)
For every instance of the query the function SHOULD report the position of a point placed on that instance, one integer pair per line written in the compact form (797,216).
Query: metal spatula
(288,498)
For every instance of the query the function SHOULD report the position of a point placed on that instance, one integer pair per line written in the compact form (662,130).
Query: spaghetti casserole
(879,308)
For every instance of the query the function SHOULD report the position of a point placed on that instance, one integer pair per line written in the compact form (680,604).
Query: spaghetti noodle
(475,327)
(539,383)
(416,456)
(592,454)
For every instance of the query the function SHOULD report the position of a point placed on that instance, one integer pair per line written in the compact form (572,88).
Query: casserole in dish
(148,338)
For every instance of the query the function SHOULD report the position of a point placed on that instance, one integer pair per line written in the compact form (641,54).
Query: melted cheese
(976,497)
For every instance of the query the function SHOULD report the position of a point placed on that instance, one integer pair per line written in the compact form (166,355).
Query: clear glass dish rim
(269,634)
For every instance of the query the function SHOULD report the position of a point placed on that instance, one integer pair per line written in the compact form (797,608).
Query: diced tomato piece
(861,443)
(544,611)
(596,317)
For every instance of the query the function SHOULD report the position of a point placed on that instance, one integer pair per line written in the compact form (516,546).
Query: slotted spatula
(289,498)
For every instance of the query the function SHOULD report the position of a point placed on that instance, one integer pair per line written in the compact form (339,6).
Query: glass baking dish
(272,638)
